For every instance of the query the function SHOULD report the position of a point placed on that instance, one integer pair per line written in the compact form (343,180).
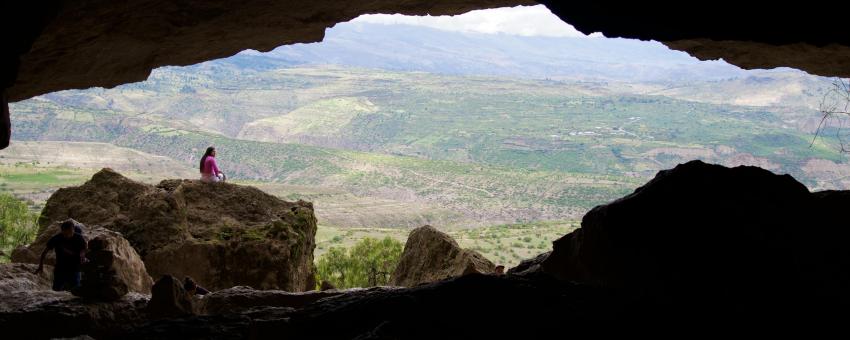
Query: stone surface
(20,276)
(730,234)
(20,287)
(5,121)
(113,261)
(220,234)
(45,314)
(469,307)
(30,309)
(241,298)
(431,255)
(169,299)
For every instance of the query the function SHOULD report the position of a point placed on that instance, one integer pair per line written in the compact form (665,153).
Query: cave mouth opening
(509,110)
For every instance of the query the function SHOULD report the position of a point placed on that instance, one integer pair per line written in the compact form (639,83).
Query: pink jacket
(210,167)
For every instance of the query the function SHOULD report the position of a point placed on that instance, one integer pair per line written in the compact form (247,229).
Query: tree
(369,263)
(835,105)
(18,225)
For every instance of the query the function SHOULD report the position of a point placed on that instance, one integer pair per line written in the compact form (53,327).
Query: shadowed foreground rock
(169,299)
(30,310)
(220,234)
(431,255)
(243,298)
(19,287)
(474,306)
(706,232)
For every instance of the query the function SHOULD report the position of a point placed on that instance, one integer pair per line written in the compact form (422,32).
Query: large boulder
(220,234)
(714,234)
(114,265)
(431,255)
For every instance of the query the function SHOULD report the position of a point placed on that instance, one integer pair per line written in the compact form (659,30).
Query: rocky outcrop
(114,268)
(241,298)
(710,233)
(20,276)
(431,255)
(20,287)
(169,299)
(220,234)
(29,309)
(60,315)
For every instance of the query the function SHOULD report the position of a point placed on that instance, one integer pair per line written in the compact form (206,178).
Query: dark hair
(204,158)
(189,284)
(66,225)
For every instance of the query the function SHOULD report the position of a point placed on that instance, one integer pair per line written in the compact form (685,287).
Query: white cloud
(521,20)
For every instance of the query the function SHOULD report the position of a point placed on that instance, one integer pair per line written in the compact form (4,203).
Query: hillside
(400,47)
(479,194)
(378,147)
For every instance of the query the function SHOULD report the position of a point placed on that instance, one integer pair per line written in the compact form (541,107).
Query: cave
(60,45)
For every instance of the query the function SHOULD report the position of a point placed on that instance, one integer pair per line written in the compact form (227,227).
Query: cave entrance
(502,127)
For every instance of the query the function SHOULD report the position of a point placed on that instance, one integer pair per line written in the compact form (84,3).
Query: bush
(17,225)
(369,263)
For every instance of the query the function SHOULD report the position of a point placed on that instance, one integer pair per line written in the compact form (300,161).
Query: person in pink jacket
(209,170)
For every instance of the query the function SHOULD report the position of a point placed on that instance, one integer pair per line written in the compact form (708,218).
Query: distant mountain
(400,47)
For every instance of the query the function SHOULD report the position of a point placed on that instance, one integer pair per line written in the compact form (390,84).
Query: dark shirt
(67,251)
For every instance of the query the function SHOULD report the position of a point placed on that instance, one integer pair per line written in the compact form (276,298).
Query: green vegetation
(17,225)
(369,263)
(503,244)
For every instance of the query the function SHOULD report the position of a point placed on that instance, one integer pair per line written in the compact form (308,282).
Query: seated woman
(209,170)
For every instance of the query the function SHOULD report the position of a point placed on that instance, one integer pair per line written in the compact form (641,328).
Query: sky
(520,20)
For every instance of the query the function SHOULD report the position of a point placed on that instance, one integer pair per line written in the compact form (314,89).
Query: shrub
(369,263)
(18,225)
